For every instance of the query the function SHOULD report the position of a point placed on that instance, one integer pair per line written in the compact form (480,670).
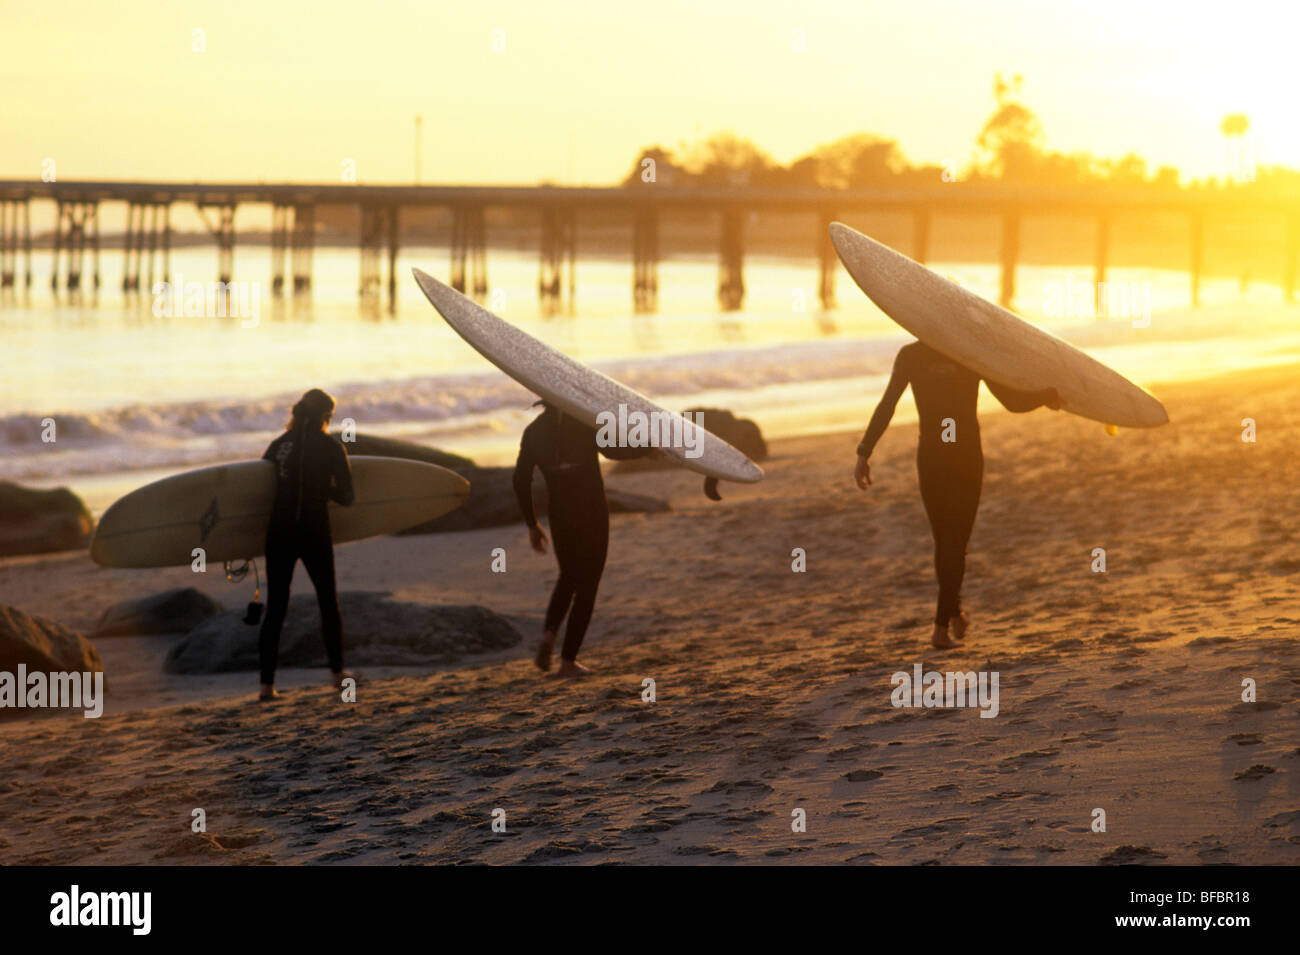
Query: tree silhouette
(1012,138)
(1234,126)
(725,159)
(860,159)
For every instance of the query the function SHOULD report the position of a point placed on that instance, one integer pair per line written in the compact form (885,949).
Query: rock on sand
(377,631)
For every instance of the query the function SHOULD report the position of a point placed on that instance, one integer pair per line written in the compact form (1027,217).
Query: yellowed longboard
(988,339)
(226,509)
(575,389)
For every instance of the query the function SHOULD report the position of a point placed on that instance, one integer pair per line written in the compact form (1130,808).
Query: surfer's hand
(537,537)
(1053,399)
(862,473)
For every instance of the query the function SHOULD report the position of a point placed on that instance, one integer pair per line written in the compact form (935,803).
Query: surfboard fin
(711,489)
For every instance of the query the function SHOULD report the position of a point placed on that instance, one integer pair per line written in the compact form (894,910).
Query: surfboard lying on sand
(226,509)
(577,390)
(988,339)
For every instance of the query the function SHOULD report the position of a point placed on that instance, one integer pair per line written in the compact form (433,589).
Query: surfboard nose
(849,244)
(839,231)
(424,279)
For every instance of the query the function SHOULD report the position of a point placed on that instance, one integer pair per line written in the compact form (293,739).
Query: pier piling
(827,259)
(921,234)
(645,260)
(559,248)
(280,212)
(148,227)
(303,246)
(1198,240)
(1101,255)
(731,261)
(378,232)
(223,230)
(15,238)
(1010,253)
(74,219)
(468,251)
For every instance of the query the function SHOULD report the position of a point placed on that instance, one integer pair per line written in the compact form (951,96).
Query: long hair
(312,412)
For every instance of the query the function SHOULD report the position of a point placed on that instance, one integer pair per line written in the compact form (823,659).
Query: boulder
(173,611)
(625,502)
(370,444)
(39,522)
(377,631)
(43,645)
(741,433)
(491,502)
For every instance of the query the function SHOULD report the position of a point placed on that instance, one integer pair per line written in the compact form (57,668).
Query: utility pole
(419,120)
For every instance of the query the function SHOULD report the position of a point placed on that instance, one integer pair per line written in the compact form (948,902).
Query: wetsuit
(565,451)
(949,458)
(311,469)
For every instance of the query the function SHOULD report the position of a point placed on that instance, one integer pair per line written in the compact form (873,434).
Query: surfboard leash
(234,575)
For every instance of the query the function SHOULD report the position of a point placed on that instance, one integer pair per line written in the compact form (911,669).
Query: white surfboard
(575,389)
(226,509)
(988,339)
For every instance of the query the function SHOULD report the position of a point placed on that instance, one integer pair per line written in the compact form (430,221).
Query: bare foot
(940,639)
(960,624)
(572,670)
(267,693)
(543,657)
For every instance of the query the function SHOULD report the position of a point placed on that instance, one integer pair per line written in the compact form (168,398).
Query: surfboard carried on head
(225,510)
(584,393)
(988,339)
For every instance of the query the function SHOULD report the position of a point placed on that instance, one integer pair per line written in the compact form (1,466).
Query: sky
(569,91)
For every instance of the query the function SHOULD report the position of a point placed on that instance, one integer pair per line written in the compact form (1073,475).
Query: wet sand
(1118,691)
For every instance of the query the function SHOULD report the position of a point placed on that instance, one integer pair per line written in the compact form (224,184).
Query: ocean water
(135,396)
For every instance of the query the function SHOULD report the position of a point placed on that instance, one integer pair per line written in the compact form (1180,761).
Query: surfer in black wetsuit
(949,461)
(311,469)
(565,450)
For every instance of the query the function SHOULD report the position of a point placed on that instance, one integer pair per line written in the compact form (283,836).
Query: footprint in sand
(744,786)
(700,850)
(1131,684)
(206,843)
(1281,820)
(560,850)
(1021,759)
(1244,739)
(862,775)
(863,858)
(1209,849)
(1258,771)
(939,827)
(1260,706)
(1131,855)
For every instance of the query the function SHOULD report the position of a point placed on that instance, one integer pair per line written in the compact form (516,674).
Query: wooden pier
(645,207)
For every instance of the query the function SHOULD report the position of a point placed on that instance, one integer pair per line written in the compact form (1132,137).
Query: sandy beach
(1119,691)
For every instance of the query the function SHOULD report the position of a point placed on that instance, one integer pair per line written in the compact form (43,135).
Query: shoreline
(99,488)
